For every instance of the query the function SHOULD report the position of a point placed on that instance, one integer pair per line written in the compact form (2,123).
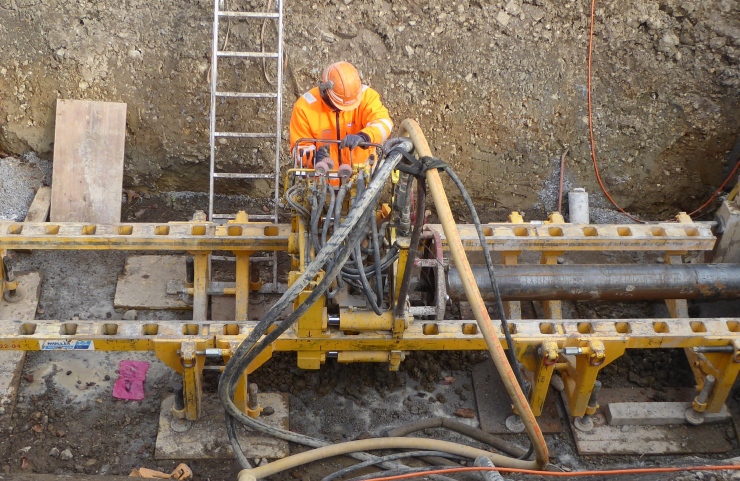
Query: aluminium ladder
(277,96)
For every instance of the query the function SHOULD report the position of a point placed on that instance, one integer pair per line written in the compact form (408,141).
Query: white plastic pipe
(578,206)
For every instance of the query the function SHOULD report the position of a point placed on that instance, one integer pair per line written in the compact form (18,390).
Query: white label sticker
(67,345)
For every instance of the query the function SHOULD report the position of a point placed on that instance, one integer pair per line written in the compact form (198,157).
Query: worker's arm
(300,128)
(375,119)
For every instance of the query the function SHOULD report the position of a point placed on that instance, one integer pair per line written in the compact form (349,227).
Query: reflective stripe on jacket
(313,119)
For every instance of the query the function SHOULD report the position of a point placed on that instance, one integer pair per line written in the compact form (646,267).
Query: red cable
(591,131)
(562,171)
(562,474)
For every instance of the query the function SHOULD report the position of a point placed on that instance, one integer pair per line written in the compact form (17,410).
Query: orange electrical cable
(591,131)
(562,474)
(718,190)
(591,122)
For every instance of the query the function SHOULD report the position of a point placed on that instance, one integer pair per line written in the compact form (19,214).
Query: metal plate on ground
(207,439)
(143,284)
(494,405)
(11,362)
(672,439)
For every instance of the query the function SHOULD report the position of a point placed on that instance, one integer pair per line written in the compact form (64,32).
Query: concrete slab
(11,362)
(143,284)
(207,439)
(647,440)
(494,405)
(656,414)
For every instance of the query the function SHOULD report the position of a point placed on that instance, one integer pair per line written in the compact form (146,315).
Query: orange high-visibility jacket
(313,119)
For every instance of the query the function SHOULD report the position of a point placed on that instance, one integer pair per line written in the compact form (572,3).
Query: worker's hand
(352,140)
(322,154)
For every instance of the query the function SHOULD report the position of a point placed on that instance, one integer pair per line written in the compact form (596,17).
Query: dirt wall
(500,87)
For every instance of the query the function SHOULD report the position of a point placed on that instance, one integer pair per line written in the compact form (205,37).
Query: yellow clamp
(698,407)
(254,413)
(591,410)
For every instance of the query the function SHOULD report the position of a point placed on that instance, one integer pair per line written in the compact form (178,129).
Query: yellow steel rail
(173,236)
(420,335)
(575,237)
(205,236)
(583,346)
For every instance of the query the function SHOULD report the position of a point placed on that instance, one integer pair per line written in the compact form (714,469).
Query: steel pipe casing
(604,282)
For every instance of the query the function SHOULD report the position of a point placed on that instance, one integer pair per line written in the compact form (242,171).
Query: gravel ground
(20,178)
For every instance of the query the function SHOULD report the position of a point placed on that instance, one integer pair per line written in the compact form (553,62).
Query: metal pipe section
(604,282)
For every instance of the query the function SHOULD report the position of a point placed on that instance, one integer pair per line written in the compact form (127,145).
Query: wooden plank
(656,414)
(648,440)
(11,362)
(39,210)
(143,284)
(89,141)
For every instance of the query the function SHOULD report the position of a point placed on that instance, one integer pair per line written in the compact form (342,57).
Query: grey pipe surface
(604,282)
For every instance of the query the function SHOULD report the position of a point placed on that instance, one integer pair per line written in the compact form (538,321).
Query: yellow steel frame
(538,345)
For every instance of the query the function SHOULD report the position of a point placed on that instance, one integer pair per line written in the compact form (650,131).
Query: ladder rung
(248,54)
(246,135)
(224,175)
(249,14)
(248,95)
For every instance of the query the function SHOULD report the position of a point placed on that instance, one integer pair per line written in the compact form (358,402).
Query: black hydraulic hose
(247,351)
(365,285)
(402,471)
(489,263)
(376,260)
(388,259)
(390,457)
(331,293)
(346,186)
(299,208)
(450,424)
(491,273)
(329,214)
(357,259)
(413,246)
(316,217)
(227,384)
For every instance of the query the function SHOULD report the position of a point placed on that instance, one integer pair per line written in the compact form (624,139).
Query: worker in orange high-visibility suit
(340,108)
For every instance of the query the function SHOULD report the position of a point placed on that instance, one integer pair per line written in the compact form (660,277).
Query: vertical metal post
(212,118)
(279,133)
(200,286)
(242,286)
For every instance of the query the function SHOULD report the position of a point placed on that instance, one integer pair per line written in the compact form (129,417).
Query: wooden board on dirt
(207,438)
(657,440)
(11,362)
(39,210)
(494,404)
(143,284)
(87,179)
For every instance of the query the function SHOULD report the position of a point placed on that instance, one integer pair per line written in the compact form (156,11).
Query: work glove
(322,154)
(352,140)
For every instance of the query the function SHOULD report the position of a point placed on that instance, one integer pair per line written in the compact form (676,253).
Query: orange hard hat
(346,86)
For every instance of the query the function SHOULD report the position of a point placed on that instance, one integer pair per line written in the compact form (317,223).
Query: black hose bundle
(339,246)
